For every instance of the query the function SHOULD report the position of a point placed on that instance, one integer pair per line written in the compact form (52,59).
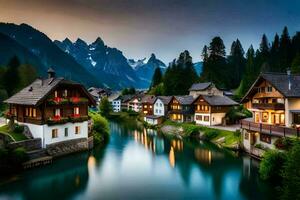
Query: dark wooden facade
(65,103)
(180,112)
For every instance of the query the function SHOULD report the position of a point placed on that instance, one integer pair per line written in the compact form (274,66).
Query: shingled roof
(148,99)
(165,99)
(217,100)
(185,100)
(280,82)
(200,86)
(34,93)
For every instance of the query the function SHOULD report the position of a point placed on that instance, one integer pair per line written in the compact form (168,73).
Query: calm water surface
(140,164)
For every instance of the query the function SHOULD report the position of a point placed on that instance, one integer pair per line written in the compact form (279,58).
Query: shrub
(210,134)
(18,155)
(3,154)
(105,107)
(291,174)
(284,143)
(100,128)
(18,129)
(271,165)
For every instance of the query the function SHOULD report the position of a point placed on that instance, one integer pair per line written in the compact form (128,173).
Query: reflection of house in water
(203,155)
(177,145)
(172,157)
(149,139)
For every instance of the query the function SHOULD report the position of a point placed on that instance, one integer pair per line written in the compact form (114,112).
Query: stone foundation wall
(29,145)
(67,147)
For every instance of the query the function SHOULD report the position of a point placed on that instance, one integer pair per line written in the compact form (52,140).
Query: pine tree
(236,64)
(157,77)
(285,50)
(295,68)
(11,78)
(274,55)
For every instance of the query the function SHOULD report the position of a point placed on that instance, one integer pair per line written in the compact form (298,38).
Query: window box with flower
(57,120)
(57,101)
(78,100)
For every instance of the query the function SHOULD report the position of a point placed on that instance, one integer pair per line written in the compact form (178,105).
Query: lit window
(65,93)
(77,129)
(30,112)
(33,112)
(206,118)
(54,133)
(55,93)
(76,111)
(26,112)
(57,112)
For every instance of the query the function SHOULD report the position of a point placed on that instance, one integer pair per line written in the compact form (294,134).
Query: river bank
(223,138)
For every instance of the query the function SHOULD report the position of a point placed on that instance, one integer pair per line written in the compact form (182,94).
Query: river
(141,164)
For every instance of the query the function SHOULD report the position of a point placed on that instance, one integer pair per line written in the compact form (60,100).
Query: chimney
(289,78)
(51,73)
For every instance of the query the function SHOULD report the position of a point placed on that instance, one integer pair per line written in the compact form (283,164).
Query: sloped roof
(185,100)
(200,86)
(34,93)
(126,97)
(165,99)
(148,99)
(217,100)
(280,82)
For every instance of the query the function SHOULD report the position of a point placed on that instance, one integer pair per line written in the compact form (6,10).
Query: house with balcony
(181,109)
(211,109)
(54,109)
(274,100)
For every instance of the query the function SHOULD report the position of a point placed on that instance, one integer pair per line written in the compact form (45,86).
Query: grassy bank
(224,138)
(15,135)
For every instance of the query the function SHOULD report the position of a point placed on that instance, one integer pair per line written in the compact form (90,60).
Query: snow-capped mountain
(108,64)
(145,69)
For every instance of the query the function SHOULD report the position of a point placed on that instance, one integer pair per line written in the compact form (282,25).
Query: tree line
(237,71)
(13,77)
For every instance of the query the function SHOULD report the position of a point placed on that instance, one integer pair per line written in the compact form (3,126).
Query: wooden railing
(269,129)
(273,106)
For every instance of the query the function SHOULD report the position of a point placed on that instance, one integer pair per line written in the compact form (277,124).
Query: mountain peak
(80,42)
(98,41)
(67,41)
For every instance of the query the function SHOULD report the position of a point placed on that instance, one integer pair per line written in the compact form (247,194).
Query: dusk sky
(164,27)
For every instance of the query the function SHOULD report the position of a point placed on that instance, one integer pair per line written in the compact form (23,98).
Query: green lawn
(14,135)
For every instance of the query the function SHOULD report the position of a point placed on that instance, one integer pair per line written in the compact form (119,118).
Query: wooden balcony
(269,129)
(268,106)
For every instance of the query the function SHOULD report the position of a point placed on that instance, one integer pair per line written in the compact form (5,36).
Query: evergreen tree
(236,64)
(285,50)
(216,66)
(205,74)
(274,55)
(11,77)
(295,68)
(157,77)
(105,107)
(250,73)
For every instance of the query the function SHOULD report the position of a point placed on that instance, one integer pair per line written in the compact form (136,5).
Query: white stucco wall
(150,121)
(216,118)
(37,131)
(206,123)
(116,105)
(290,104)
(159,108)
(45,132)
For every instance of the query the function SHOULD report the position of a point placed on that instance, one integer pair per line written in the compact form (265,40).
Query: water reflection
(138,164)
